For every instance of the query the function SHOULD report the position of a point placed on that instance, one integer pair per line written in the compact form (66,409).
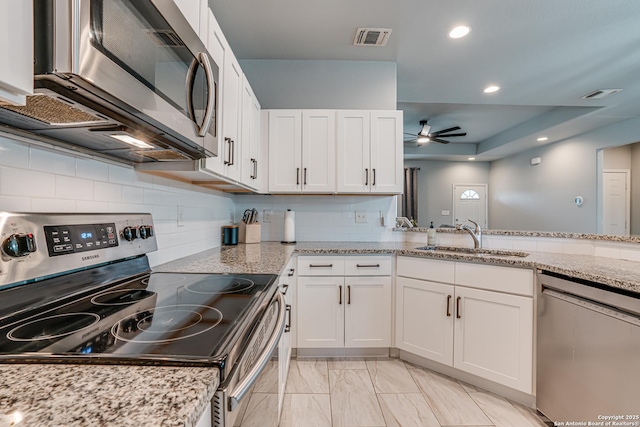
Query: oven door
(147,55)
(231,398)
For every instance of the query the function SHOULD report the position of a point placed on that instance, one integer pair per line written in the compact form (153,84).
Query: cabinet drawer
(426,269)
(321,265)
(494,278)
(367,265)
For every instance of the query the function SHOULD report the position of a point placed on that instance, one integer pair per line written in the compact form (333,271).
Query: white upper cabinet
(196,13)
(251,167)
(302,146)
(16,51)
(369,152)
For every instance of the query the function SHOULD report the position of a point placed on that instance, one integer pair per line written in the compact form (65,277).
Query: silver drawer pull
(320,265)
(368,265)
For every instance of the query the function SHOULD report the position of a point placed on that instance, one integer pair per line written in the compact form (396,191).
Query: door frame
(486,200)
(627,194)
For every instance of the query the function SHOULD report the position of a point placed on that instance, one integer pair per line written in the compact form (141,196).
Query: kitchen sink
(473,251)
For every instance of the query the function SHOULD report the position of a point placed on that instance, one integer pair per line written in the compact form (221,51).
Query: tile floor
(380,392)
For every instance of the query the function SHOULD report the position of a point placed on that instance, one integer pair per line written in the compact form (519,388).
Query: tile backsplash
(325,218)
(36,179)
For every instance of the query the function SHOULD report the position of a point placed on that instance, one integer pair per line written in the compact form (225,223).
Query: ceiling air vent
(600,93)
(372,36)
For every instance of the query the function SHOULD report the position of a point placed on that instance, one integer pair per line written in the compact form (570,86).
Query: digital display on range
(68,239)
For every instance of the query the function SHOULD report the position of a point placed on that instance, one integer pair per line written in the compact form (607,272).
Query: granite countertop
(99,395)
(270,258)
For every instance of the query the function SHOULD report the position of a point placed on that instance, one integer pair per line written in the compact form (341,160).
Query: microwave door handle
(191,79)
(252,376)
(211,91)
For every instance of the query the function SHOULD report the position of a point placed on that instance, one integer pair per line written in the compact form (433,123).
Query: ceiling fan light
(491,89)
(459,31)
(423,140)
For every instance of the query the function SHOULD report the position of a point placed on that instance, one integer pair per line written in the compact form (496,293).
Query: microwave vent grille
(165,38)
(54,112)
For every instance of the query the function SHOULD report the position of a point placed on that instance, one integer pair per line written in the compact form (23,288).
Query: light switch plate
(361,216)
(180,216)
(266,215)
(446,213)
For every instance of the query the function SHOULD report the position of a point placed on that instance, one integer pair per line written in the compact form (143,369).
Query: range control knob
(145,231)
(130,233)
(19,245)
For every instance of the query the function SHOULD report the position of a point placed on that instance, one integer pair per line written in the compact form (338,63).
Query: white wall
(34,179)
(525,197)
(435,187)
(324,218)
(365,85)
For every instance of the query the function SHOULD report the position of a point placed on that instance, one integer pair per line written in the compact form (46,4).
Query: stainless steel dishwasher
(588,364)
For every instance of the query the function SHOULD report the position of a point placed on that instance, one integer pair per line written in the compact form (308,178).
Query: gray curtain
(410,199)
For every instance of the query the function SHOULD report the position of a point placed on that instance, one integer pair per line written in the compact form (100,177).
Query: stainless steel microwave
(127,79)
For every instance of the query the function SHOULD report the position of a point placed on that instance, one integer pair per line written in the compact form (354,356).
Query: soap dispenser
(431,235)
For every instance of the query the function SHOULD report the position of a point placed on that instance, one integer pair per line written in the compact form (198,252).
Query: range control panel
(35,245)
(64,239)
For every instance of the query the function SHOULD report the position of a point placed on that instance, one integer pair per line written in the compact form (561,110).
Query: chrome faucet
(475,234)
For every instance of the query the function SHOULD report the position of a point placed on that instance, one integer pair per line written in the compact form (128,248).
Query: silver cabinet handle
(287,327)
(232,155)
(253,174)
(448,305)
(255,171)
(228,141)
(320,265)
(245,384)
(348,294)
(368,265)
(340,294)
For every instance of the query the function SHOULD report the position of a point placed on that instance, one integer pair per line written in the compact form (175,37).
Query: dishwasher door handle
(593,306)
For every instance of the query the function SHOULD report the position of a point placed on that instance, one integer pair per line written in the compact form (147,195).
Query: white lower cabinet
(339,311)
(287,287)
(483,332)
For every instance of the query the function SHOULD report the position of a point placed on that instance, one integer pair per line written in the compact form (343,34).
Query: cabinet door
(367,312)
(353,134)
(318,151)
(494,337)
(218,47)
(285,156)
(16,51)
(284,347)
(232,103)
(424,319)
(386,152)
(250,134)
(257,151)
(320,312)
(194,10)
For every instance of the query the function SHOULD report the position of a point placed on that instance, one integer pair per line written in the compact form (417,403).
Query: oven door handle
(245,384)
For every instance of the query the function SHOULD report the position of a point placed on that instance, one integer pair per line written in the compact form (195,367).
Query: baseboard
(342,352)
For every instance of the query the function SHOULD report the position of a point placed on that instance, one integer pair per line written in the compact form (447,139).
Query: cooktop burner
(220,285)
(162,323)
(165,279)
(52,327)
(121,297)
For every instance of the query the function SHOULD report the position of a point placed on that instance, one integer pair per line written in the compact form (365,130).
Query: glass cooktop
(186,318)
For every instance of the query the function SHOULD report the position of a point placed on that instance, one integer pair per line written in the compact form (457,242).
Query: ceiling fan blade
(409,133)
(445,131)
(453,134)
(441,141)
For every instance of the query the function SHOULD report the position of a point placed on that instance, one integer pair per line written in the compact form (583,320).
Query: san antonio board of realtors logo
(88,257)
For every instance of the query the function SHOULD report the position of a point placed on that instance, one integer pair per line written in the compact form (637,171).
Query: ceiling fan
(425,135)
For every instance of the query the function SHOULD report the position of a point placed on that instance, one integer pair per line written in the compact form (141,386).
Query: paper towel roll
(289,226)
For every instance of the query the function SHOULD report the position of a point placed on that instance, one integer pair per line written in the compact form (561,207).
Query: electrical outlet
(361,216)
(180,216)
(266,215)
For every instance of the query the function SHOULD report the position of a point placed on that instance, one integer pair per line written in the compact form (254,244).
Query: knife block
(249,233)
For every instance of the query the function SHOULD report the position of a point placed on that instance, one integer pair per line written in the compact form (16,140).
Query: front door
(470,203)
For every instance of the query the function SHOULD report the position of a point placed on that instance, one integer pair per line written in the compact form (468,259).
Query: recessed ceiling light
(459,31)
(542,138)
(491,89)
(471,158)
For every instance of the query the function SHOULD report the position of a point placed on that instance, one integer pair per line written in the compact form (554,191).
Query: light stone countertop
(82,395)
(270,258)
(104,395)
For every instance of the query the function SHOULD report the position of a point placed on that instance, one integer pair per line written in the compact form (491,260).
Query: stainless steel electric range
(77,288)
